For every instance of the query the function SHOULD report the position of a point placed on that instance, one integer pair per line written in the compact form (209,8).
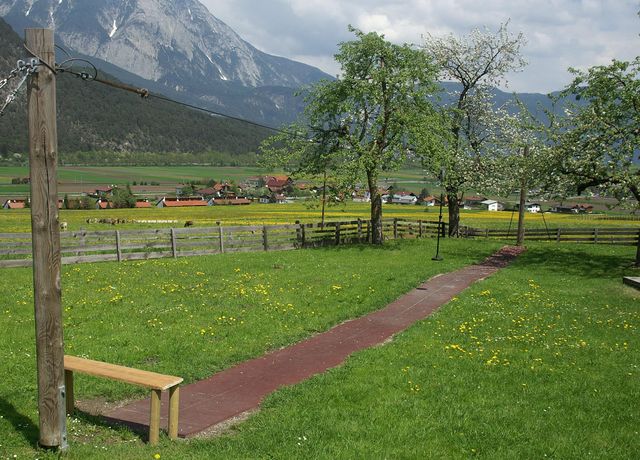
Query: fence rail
(600,235)
(120,245)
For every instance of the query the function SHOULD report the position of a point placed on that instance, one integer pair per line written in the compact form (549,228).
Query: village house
(176,203)
(254,181)
(429,201)
(277,184)
(404,198)
(235,201)
(280,199)
(14,204)
(576,209)
(361,197)
(103,191)
(473,202)
(493,205)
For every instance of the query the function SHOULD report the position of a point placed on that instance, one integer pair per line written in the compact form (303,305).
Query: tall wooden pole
(43,158)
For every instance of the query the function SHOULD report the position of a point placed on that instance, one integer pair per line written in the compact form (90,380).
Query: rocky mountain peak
(174,42)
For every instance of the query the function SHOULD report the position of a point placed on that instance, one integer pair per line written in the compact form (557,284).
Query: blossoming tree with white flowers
(477,63)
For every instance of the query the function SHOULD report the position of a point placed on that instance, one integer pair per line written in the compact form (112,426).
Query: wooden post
(221,237)
(68,383)
(558,236)
(395,228)
(154,417)
(174,246)
(299,233)
(359,230)
(118,246)
(337,233)
(420,228)
(638,250)
(302,235)
(265,240)
(174,404)
(595,236)
(43,159)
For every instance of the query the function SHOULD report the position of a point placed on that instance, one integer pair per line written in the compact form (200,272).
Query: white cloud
(560,33)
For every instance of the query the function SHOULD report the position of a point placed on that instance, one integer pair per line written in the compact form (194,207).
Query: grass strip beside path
(195,316)
(537,360)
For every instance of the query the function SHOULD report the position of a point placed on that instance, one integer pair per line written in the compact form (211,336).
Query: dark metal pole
(438,257)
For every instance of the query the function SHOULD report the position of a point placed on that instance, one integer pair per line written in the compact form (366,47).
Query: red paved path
(241,388)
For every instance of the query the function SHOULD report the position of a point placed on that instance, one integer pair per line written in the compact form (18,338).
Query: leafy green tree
(598,139)
(123,198)
(477,63)
(359,125)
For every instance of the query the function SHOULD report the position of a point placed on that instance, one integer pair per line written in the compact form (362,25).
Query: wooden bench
(156,382)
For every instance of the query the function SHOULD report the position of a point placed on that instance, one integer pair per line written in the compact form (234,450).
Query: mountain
(178,46)
(101,125)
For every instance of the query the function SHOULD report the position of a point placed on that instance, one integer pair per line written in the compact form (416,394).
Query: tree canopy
(360,124)
(598,139)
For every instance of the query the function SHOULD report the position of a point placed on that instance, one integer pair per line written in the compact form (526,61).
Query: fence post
(174,249)
(638,250)
(220,238)
(118,246)
(338,234)
(301,233)
(359,230)
(395,228)
(595,236)
(298,233)
(265,241)
(444,230)
(420,228)
(558,236)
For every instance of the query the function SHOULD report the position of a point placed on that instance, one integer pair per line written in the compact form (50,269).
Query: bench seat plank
(139,377)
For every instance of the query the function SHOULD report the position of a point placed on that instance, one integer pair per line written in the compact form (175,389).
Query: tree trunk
(454,212)
(376,209)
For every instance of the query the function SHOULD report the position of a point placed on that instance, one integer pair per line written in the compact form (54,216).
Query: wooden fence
(120,245)
(602,235)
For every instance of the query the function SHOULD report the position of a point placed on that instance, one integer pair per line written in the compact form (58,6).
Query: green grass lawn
(538,360)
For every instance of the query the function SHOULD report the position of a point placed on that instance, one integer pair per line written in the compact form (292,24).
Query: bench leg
(174,404)
(68,385)
(154,417)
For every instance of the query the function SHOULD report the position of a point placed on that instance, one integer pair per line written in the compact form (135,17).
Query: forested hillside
(101,125)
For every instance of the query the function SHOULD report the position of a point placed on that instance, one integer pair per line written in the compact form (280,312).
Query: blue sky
(559,33)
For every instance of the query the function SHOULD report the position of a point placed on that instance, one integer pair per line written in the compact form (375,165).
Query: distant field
(266,214)
(84,178)
(74,180)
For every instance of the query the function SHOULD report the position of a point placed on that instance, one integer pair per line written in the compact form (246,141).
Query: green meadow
(537,361)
